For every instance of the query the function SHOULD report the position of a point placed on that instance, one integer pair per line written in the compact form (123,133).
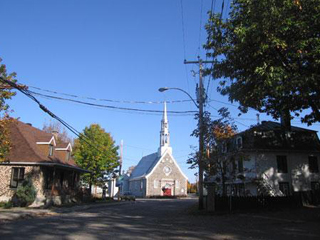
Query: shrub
(6,205)
(26,194)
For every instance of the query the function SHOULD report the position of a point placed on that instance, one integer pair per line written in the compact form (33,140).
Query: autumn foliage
(5,94)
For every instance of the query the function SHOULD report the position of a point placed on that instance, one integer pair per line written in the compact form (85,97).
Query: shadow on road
(158,219)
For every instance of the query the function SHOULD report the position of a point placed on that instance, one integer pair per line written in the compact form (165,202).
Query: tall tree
(267,56)
(96,152)
(5,94)
(63,135)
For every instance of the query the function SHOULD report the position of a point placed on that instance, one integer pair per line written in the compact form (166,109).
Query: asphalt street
(162,219)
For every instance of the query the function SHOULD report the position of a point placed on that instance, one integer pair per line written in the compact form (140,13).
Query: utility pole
(200,99)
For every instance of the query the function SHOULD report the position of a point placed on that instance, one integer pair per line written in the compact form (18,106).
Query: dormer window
(50,150)
(68,155)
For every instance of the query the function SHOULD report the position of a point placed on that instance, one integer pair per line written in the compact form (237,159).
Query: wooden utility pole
(200,99)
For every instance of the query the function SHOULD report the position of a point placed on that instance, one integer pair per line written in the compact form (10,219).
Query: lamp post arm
(179,89)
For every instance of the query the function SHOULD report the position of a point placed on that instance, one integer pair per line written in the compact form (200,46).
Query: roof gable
(160,159)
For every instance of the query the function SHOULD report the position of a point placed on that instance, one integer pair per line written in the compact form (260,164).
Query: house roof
(270,135)
(145,165)
(270,126)
(24,147)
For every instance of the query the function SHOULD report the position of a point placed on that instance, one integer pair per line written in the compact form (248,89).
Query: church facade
(158,174)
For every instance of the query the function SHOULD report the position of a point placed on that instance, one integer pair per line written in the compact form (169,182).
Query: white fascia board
(174,161)
(65,149)
(48,143)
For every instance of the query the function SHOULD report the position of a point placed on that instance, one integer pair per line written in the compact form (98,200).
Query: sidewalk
(12,214)
(20,213)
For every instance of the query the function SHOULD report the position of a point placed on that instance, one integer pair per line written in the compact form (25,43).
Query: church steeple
(164,133)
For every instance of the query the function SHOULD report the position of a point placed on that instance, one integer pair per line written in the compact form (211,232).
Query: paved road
(162,219)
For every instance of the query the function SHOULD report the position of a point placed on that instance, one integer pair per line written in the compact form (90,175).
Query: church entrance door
(167,192)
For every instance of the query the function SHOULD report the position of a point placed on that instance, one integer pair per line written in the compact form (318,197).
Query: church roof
(145,165)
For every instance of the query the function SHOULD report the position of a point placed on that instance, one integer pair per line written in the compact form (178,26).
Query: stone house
(37,156)
(158,174)
(277,162)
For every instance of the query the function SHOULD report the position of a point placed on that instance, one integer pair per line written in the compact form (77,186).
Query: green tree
(5,94)
(267,56)
(96,152)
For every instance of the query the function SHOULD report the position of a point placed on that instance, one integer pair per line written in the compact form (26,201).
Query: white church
(158,174)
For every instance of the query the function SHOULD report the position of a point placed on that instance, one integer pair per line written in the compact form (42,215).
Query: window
(155,183)
(61,179)
(239,142)
(239,189)
(68,155)
(177,184)
(50,150)
(315,186)
(284,188)
(17,177)
(282,164)
(224,148)
(313,164)
(240,166)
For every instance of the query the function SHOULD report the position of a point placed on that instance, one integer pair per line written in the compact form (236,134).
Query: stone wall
(6,193)
(166,174)
(137,187)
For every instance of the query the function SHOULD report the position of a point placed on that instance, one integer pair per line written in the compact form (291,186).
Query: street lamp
(199,105)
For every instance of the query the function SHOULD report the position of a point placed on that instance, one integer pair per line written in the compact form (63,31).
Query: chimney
(55,134)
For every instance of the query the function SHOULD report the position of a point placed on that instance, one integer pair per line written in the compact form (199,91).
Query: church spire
(164,133)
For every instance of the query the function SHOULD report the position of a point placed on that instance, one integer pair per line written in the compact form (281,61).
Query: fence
(254,202)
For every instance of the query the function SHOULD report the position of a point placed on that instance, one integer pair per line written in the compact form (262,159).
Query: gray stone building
(158,174)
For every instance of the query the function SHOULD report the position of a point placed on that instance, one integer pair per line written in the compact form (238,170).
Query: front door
(167,192)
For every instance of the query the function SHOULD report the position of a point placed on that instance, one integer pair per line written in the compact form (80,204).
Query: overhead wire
(200,28)
(28,93)
(111,107)
(184,43)
(108,100)
(226,10)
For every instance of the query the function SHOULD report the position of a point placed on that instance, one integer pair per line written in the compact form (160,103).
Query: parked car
(127,196)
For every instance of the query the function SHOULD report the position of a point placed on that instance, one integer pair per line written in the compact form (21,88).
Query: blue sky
(120,50)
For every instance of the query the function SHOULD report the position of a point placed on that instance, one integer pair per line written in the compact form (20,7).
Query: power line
(226,11)
(111,107)
(200,27)
(183,31)
(222,7)
(184,42)
(26,92)
(108,100)
(213,5)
